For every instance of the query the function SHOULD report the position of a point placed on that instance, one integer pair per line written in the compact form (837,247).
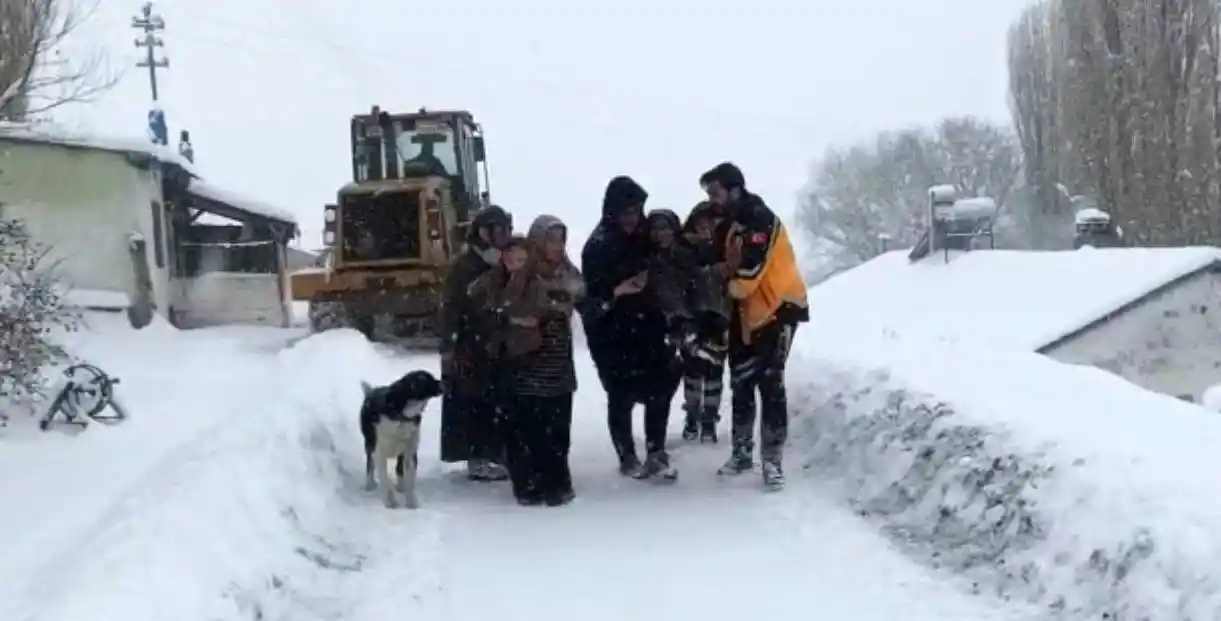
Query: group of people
(662,302)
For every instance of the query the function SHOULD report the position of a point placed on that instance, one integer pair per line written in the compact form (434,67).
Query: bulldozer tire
(363,324)
(325,316)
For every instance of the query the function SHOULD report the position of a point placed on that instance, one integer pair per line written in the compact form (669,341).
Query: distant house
(124,223)
(1150,315)
(300,259)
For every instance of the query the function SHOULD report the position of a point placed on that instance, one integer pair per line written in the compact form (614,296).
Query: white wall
(84,204)
(1170,344)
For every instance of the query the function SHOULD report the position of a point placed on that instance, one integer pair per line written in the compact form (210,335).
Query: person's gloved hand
(677,327)
(454,366)
(447,364)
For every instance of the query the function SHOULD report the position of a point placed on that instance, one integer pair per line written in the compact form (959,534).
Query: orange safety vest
(777,282)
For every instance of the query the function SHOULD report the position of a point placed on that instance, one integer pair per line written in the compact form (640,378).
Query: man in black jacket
(469,417)
(626,330)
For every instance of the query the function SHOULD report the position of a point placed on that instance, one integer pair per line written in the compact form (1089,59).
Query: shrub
(32,310)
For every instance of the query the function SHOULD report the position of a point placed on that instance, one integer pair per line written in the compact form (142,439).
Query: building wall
(1170,344)
(220,298)
(85,204)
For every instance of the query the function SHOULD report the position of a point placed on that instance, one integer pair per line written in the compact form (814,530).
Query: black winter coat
(626,336)
(465,332)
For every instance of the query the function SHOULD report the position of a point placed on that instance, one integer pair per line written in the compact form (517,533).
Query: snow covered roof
(996,298)
(943,193)
(213,193)
(49,133)
(976,207)
(1092,214)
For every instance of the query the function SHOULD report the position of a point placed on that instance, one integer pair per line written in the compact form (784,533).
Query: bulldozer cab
(415,185)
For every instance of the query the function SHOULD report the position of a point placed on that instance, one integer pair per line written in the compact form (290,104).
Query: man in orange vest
(769,299)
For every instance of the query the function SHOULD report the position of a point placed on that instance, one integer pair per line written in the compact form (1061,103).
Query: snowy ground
(234,493)
(1058,485)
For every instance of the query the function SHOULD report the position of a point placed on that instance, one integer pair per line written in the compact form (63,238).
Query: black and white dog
(390,422)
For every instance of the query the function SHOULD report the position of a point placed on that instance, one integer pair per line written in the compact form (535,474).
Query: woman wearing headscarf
(534,300)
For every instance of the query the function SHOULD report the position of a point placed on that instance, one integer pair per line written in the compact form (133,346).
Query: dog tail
(364,386)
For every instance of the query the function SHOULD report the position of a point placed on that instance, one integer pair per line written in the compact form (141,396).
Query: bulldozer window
(432,150)
(470,177)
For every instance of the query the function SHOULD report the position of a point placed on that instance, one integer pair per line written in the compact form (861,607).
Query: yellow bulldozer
(395,227)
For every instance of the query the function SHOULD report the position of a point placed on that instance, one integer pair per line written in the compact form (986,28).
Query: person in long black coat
(626,330)
(469,416)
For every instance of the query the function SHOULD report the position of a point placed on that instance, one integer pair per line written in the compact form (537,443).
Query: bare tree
(36,73)
(876,193)
(1034,100)
(1121,100)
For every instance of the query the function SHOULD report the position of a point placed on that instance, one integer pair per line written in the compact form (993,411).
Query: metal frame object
(84,393)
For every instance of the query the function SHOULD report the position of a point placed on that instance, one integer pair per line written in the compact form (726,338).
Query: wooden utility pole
(150,23)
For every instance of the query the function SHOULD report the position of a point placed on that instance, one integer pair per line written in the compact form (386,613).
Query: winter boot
(485,470)
(708,425)
(497,471)
(561,498)
(690,430)
(529,501)
(739,461)
(691,427)
(657,464)
(629,465)
(773,475)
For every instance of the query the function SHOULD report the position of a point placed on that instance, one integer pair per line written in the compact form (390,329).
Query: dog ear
(365,387)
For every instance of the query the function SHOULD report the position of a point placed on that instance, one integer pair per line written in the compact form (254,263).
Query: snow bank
(261,517)
(1211,398)
(1064,486)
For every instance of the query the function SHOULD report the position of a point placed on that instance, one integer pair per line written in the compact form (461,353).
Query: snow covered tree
(36,73)
(876,193)
(31,311)
(1121,101)
(1034,75)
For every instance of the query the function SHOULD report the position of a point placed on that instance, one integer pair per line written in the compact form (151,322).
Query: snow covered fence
(1063,486)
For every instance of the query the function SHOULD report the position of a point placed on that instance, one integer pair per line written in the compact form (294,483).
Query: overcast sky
(569,93)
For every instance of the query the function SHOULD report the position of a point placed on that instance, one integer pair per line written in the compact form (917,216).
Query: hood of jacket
(668,216)
(491,215)
(622,192)
(538,238)
(703,209)
(540,226)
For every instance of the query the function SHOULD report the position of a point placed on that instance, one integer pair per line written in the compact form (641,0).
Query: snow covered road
(705,547)
(262,516)
(701,549)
